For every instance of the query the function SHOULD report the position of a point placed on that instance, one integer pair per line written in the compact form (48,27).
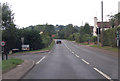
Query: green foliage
(110,37)
(71,37)
(87,29)
(11,37)
(114,19)
(86,37)
(46,40)
(7,15)
(84,33)
(77,37)
(93,38)
(49,29)
(32,37)
(69,30)
(61,33)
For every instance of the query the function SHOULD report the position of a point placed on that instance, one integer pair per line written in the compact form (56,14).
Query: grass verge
(105,48)
(10,63)
(44,49)
(113,49)
(83,43)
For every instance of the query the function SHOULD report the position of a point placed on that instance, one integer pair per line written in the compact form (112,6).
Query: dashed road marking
(106,76)
(85,61)
(40,60)
(73,52)
(76,55)
(103,74)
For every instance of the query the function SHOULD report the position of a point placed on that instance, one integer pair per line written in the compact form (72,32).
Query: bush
(86,37)
(46,40)
(71,37)
(94,38)
(110,37)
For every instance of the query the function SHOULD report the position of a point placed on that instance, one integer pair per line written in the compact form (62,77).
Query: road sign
(25,47)
(2,43)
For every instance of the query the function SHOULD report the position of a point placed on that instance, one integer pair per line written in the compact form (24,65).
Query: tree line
(12,35)
(75,33)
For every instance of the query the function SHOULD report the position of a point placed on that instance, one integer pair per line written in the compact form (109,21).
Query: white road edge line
(85,61)
(106,76)
(40,60)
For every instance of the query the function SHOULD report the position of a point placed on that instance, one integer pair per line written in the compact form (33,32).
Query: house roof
(105,24)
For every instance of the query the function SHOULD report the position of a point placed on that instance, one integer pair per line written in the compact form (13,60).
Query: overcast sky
(62,12)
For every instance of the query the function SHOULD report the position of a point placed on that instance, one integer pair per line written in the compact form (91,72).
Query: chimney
(95,26)
(95,22)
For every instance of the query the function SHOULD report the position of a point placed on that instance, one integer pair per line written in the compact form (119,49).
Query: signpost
(2,44)
(117,37)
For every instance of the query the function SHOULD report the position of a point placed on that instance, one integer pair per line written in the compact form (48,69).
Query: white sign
(25,47)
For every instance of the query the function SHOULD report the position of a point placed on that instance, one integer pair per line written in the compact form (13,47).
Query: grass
(10,63)
(105,48)
(83,43)
(44,49)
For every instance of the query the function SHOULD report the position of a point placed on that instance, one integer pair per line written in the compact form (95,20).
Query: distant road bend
(71,61)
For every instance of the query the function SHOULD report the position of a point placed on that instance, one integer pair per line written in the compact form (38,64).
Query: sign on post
(2,43)
(25,47)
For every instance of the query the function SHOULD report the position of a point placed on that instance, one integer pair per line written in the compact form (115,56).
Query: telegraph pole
(102,22)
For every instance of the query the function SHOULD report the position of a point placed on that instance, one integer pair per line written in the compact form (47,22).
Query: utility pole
(98,36)
(0,41)
(102,22)
(119,7)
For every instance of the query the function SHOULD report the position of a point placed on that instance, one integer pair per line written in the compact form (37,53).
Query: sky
(61,12)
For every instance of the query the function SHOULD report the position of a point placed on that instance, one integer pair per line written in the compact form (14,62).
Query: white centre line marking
(106,76)
(85,61)
(73,52)
(40,60)
(76,55)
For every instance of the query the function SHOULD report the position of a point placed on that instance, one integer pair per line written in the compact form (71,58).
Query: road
(72,61)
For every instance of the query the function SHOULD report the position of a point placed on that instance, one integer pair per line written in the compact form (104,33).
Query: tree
(69,30)
(87,29)
(32,38)
(11,37)
(10,32)
(49,29)
(7,16)
(114,20)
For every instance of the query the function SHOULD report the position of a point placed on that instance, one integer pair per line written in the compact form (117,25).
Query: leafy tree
(32,38)
(49,29)
(69,30)
(7,15)
(10,36)
(87,29)
(10,32)
(114,20)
